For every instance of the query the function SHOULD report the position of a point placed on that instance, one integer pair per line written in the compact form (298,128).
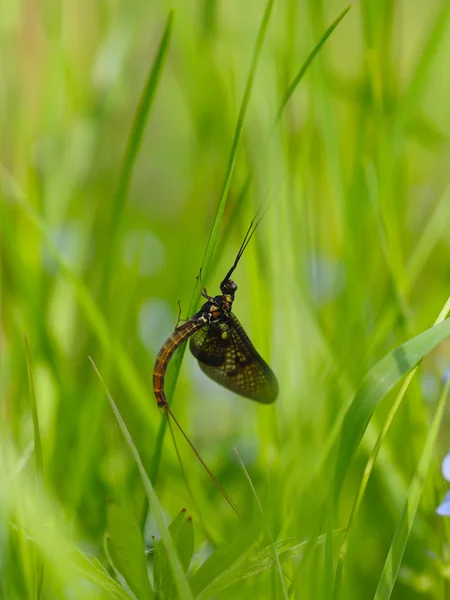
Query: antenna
(248,236)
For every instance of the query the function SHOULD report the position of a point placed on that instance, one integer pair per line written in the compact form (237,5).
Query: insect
(222,348)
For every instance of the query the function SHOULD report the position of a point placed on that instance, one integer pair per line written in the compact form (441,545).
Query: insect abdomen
(173,342)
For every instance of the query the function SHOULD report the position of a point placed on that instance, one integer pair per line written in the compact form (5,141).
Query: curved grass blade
(133,144)
(397,548)
(377,383)
(212,241)
(371,462)
(174,561)
(315,51)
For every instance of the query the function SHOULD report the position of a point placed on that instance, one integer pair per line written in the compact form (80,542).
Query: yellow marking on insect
(224,335)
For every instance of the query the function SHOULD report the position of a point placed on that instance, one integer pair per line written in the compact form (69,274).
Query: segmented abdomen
(180,335)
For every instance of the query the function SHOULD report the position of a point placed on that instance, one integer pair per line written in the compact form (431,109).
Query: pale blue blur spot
(446,376)
(144,251)
(326,278)
(68,241)
(156,321)
(429,385)
(444,508)
(445,467)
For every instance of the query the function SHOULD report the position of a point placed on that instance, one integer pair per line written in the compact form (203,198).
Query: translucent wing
(227,356)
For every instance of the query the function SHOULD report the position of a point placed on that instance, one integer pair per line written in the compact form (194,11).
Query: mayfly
(222,348)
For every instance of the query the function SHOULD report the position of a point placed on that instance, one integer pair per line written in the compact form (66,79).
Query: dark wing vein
(227,356)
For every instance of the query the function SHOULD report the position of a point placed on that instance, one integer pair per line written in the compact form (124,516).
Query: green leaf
(377,383)
(127,552)
(183,535)
(182,532)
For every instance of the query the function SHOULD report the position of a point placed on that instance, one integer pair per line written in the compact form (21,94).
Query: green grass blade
(223,561)
(212,241)
(182,532)
(314,52)
(371,462)
(417,85)
(378,382)
(39,580)
(91,569)
(174,561)
(275,556)
(134,140)
(35,415)
(397,548)
(125,367)
(126,549)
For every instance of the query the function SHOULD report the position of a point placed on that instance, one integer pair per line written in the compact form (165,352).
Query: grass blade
(378,382)
(134,141)
(275,556)
(212,241)
(174,561)
(95,318)
(314,52)
(35,415)
(371,462)
(39,581)
(397,548)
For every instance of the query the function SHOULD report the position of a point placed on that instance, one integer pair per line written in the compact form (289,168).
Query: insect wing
(226,355)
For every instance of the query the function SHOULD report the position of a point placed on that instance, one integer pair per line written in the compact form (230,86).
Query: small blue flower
(444,508)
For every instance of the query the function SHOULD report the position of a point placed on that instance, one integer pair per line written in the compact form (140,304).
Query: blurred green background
(350,261)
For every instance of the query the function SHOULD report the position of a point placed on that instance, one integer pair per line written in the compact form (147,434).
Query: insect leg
(203,292)
(179,319)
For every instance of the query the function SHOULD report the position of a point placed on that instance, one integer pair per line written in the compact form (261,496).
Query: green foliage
(138,142)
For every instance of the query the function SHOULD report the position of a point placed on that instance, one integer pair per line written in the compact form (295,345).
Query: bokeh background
(350,261)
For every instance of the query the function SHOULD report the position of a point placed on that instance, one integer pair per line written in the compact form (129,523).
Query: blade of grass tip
(212,241)
(403,529)
(39,579)
(176,566)
(371,461)
(269,535)
(315,51)
(134,142)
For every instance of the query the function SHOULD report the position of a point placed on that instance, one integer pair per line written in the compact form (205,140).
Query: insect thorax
(217,309)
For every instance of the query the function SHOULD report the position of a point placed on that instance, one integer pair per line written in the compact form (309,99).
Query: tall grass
(138,141)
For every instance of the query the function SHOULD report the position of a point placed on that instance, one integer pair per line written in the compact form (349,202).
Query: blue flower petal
(444,508)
